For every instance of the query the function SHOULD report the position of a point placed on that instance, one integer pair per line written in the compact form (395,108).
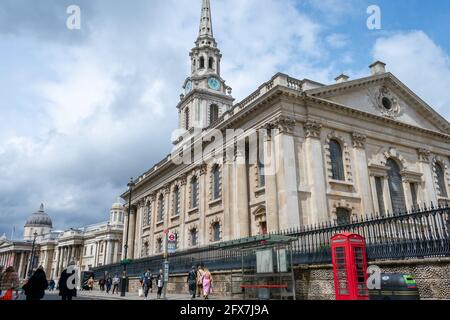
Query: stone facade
(329,152)
(88,247)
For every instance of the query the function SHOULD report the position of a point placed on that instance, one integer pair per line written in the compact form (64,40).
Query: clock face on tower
(188,87)
(214,83)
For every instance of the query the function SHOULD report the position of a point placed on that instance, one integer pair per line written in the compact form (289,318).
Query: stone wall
(316,282)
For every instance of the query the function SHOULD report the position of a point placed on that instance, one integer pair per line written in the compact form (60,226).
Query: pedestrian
(160,283)
(90,283)
(148,283)
(37,284)
(108,284)
(116,282)
(9,282)
(51,285)
(207,281)
(68,290)
(192,281)
(102,283)
(199,281)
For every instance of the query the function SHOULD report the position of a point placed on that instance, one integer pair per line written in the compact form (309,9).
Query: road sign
(166,271)
(171,247)
(172,237)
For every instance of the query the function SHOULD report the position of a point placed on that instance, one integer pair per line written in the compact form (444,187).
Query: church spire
(206,29)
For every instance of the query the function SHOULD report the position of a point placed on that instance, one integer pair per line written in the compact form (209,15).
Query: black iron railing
(420,233)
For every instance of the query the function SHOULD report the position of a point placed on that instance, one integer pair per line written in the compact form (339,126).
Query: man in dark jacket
(37,284)
(192,281)
(67,287)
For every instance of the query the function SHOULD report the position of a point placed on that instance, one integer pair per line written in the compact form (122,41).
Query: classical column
(21,265)
(132,232)
(362,180)
(286,174)
(227,199)
(427,187)
(108,252)
(203,203)
(58,256)
(315,172)
(116,252)
(183,214)
(241,209)
(271,183)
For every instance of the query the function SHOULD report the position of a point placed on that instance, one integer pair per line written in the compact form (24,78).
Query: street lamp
(123,288)
(30,270)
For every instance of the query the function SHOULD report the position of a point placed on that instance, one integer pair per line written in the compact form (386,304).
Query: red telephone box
(349,266)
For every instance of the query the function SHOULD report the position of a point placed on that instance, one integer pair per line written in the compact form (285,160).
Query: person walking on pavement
(108,284)
(192,282)
(51,285)
(9,282)
(90,283)
(199,280)
(67,288)
(102,283)
(207,283)
(147,280)
(160,283)
(37,284)
(116,282)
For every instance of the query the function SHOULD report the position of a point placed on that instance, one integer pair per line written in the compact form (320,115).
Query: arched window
(194,237)
(115,216)
(216,183)
(186,119)
(213,113)
(194,190)
(161,208)
(441,180)
(211,63)
(337,163)
(216,232)
(396,187)
(176,201)
(342,216)
(202,62)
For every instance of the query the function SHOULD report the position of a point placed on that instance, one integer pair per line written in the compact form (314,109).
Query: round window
(387,103)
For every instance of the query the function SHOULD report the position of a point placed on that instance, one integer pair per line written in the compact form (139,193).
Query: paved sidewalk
(151,296)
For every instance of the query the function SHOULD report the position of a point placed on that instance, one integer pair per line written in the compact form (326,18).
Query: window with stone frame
(176,201)
(186,119)
(149,213)
(343,216)
(159,245)
(194,192)
(213,113)
(337,161)
(380,195)
(211,63)
(396,190)
(216,231)
(440,179)
(202,62)
(261,165)
(193,237)
(145,216)
(161,208)
(216,182)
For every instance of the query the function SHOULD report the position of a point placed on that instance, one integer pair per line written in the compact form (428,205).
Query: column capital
(312,129)
(424,155)
(283,124)
(203,169)
(359,140)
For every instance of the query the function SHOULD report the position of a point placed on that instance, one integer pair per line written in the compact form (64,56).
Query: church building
(322,152)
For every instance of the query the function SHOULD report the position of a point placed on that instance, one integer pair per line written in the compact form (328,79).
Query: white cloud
(420,63)
(338,40)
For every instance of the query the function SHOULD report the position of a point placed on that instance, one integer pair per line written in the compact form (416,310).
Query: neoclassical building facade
(88,247)
(294,152)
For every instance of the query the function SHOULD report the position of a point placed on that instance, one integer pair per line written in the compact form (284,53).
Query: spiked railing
(423,232)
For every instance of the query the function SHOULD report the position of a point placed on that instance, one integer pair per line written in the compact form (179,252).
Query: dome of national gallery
(39,219)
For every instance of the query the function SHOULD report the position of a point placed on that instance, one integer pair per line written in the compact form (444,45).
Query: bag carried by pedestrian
(6,295)
(141,292)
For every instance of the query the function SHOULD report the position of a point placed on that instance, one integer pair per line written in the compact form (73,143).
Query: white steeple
(206,96)
(206,29)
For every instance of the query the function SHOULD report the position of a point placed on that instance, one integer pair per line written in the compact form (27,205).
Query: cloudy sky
(84,110)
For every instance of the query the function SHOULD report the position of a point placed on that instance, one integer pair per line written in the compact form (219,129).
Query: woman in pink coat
(207,283)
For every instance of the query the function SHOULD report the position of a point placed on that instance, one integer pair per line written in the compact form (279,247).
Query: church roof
(39,219)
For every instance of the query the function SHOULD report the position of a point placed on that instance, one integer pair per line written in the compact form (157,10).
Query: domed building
(39,223)
(89,246)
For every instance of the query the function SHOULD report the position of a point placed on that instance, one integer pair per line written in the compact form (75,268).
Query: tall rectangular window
(413,187)
(380,195)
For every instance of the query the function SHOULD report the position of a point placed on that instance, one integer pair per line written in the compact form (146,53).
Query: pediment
(384,95)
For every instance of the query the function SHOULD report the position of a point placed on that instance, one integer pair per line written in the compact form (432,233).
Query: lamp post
(30,270)
(125,262)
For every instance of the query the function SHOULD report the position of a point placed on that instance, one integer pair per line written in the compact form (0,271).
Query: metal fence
(420,233)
